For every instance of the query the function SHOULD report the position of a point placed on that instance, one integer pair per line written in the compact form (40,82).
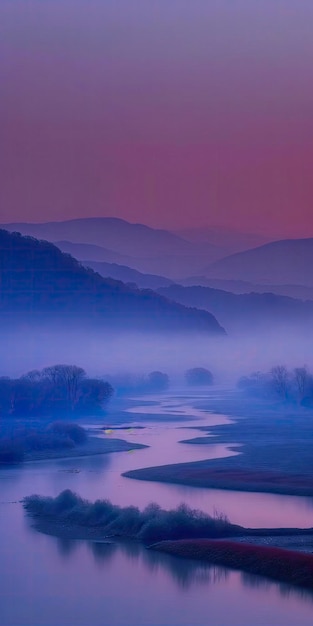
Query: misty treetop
(150,525)
(129,383)
(286,385)
(59,389)
(199,376)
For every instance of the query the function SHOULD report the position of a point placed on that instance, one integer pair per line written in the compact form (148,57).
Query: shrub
(70,431)
(199,376)
(150,525)
(158,381)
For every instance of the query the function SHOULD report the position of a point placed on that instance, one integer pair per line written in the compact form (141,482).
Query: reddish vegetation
(286,566)
(239,477)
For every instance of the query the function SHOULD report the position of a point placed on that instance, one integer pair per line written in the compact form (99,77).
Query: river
(46,580)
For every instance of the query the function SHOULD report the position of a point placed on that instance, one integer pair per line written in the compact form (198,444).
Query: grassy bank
(205,474)
(93,445)
(275,451)
(284,566)
(22,442)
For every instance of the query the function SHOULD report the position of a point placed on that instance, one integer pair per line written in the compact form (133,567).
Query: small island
(182,532)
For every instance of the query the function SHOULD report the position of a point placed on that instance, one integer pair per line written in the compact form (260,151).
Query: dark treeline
(150,525)
(68,511)
(59,389)
(286,385)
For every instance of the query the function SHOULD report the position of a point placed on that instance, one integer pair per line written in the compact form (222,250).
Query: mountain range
(228,241)
(245,312)
(153,258)
(94,253)
(128,275)
(40,283)
(288,261)
(300,292)
(138,246)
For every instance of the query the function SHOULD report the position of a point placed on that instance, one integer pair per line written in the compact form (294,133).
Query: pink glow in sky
(169,112)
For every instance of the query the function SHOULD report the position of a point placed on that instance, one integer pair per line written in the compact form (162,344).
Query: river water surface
(45,580)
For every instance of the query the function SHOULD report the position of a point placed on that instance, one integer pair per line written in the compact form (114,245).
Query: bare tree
(33,376)
(68,378)
(280,380)
(303,380)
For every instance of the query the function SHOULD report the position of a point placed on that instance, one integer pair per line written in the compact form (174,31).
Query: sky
(174,113)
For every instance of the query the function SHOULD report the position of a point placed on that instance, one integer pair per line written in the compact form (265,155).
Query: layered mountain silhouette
(299,292)
(229,241)
(142,248)
(288,261)
(41,283)
(82,251)
(128,275)
(243,312)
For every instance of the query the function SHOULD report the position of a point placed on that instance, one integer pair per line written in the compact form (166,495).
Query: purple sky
(174,113)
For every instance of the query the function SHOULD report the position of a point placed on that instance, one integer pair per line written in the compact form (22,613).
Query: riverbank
(205,474)
(277,564)
(93,445)
(274,454)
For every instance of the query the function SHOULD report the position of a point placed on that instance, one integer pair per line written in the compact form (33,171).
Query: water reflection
(102,552)
(66,547)
(252,581)
(185,573)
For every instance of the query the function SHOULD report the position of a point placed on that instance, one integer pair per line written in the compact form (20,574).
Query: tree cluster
(199,376)
(126,383)
(287,385)
(150,525)
(59,389)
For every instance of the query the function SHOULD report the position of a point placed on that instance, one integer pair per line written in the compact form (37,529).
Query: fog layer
(102,354)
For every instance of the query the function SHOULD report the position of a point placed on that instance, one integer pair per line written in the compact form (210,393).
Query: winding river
(46,580)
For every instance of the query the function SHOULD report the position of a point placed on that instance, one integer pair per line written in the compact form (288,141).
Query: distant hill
(128,275)
(116,234)
(299,292)
(40,283)
(82,251)
(289,261)
(224,239)
(142,248)
(244,312)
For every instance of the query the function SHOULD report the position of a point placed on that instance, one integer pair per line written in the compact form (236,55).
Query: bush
(158,381)
(199,376)
(150,525)
(71,431)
